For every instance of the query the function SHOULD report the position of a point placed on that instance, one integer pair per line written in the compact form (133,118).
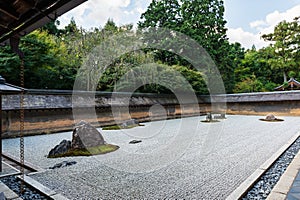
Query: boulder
(209,117)
(62,148)
(270,117)
(135,141)
(85,136)
(63,164)
(220,116)
(130,122)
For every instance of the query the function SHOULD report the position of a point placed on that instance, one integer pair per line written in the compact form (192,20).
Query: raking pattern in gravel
(219,158)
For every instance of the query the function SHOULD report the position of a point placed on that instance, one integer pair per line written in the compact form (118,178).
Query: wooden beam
(8,10)
(35,19)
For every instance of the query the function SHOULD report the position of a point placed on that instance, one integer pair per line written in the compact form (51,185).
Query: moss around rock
(275,120)
(102,149)
(271,118)
(86,141)
(118,127)
(210,121)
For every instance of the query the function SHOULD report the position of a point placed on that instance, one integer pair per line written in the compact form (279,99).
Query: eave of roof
(291,82)
(20,17)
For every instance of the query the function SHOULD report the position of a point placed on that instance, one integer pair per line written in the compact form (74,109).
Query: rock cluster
(84,136)
(220,116)
(129,123)
(209,117)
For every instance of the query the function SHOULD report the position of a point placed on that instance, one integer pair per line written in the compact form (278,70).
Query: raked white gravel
(182,158)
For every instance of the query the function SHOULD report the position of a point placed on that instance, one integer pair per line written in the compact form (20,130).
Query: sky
(246,20)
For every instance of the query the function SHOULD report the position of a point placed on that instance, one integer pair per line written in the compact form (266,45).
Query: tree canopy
(54,56)
(203,21)
(286,46)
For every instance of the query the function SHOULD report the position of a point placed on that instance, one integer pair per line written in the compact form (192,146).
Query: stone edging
(8,193)
(43,189)
(285,182)
(250,181)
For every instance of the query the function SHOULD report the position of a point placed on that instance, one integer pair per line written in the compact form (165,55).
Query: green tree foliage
(46,63)
(40,54)
(286,46)
(54,56)
(120,67)
(51,28)
(160,78)
(110,27)
(249,84)
(202,20)
(255,66)
(162,13)
(9,65)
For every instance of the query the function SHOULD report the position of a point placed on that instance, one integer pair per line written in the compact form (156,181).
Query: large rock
(63,164)
(130,122)
(209,117)
(62,148)
(270,117)
(85,135)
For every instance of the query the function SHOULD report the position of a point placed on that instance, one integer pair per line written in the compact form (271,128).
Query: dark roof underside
(20,17)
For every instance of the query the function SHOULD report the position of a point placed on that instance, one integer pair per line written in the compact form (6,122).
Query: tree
(286,46)
(249,84)
(71,28)
(110,27)
(162,13)
(46,64)
(9,65)
(256,64)
(231,60)
(52,28)
(203,21)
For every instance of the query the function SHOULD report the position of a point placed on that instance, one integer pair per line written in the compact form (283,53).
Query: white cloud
(247,39)
(258,24)
(261,27)
(95,13)
(98,13)
(276,17)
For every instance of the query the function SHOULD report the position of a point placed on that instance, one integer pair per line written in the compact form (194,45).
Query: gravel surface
(180,158)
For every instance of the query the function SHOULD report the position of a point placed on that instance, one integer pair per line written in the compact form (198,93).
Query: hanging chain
(22,125)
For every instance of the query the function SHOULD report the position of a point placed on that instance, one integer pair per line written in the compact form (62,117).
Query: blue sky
(240,13)
(246,20)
